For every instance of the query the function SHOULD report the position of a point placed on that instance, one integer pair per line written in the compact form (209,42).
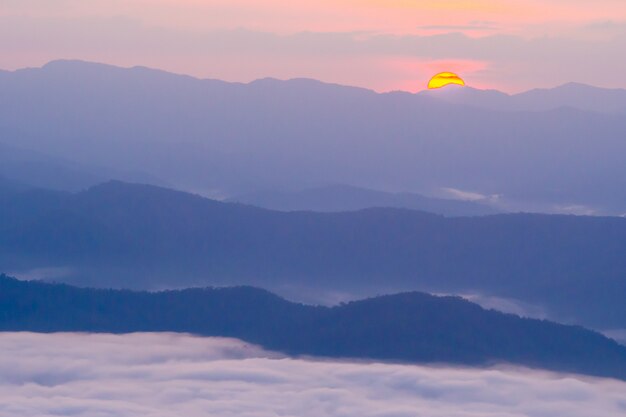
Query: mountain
(469,96)
(36,169)
(226,139)
(413,327)
(335,198)
(40,170)
(20,204)
(146,237)
(579,96)
(573,95)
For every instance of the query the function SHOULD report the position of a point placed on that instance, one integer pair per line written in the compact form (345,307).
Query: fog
(181,375)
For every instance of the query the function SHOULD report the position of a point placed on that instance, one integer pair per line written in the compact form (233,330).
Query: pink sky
(511,45)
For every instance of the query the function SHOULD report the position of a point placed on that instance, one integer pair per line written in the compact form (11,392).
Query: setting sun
(445,78)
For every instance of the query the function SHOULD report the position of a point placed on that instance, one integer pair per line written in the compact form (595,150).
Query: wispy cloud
(49,273)
(507,305)
(178,375)
(510,62)
(459,28)
(465,195)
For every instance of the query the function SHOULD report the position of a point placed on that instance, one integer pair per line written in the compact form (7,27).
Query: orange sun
(445,78)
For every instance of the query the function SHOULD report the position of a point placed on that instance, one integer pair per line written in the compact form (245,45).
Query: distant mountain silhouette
(137,236)
(537,151)
(40,170)
(573,95)
(336,198)
(413,327)
(579,96)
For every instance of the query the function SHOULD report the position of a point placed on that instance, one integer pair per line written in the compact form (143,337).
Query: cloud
(381,61)
(459,28)
(576,209)
(507,305)
(179,375)
(464,195)
(48,273)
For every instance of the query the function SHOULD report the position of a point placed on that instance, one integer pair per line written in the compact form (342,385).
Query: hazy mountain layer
(224,139)
(39,170)
(346,198)
(138,236)
(412,327)
(572,95)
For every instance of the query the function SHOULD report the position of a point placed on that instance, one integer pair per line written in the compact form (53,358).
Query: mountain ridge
(138,236)
(218,138)
(340,197)
(65,64)
(412,327)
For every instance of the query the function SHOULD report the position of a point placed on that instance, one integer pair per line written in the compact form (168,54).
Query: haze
(258,208)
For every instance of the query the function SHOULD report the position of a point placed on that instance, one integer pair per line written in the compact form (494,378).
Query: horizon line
(421,91)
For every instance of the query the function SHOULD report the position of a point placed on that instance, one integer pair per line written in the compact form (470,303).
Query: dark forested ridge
(145,237)
(413,327)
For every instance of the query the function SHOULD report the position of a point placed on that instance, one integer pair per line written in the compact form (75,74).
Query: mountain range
(571,95)
(40,170)
(555,150)
(146,237)
(335,198)
(408,327)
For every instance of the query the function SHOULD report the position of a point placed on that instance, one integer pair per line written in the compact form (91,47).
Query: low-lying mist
(149,374)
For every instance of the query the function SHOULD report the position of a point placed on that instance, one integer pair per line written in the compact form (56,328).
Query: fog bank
(172,375)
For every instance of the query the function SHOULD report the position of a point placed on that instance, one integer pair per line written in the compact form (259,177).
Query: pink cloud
(379,44)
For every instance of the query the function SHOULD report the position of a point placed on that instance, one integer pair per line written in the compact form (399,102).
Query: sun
(445,78)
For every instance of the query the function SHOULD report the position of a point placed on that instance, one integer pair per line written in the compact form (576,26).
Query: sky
(511,45)
(150,374)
